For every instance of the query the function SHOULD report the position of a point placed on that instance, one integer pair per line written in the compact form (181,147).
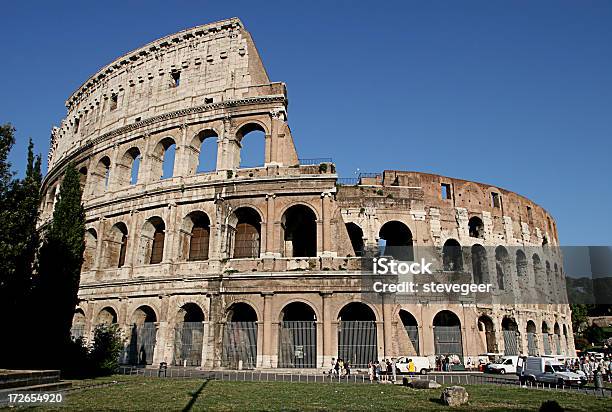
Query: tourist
(340,367)
(371,370)
(347,368)
(332,370)
(411,367)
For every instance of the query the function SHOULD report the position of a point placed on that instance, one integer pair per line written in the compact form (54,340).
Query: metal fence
(297,344)
(142,344)
(77,331)
(315,161)
(511,342)
(188,343)
(547,349)
(239,345)
(357,342)
(448,340)
(413,334)
(557,339)
(532,344)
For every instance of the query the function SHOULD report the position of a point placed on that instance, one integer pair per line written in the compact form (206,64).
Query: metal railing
(348,181)
(315,161)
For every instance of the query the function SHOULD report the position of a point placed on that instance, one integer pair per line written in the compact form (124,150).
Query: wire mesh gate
(448,340)
(142,344)
(297,341)
(547,350)
(357,342)
(511,342)
(239,344)
(188,343)
(77,331)
(413,335)
(558,344)
(532,346)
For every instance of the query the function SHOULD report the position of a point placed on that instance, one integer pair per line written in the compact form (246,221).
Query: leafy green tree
(579,316)
(57,283)
(106,348)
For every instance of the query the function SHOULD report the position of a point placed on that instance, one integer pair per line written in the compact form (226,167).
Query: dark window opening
(529,215)
(208,100)
(247,234)
(157,247)
(476,227)
(77,121)
(452,259)
(396,241)
(200,234)
(480,268)
(356,235)
(176,78)
(122,250)
(113,101)
(495,200)
(446,191)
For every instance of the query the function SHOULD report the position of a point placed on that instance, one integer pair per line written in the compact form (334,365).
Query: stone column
(267,355)
(327,351)
(171,238)
(324,225)
(271,249)
(387,318)
(131,254)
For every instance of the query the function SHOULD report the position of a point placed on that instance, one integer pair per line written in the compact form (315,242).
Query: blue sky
(517,94)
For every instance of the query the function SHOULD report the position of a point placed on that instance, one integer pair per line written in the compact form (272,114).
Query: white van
(422,364)
(507,364)
(548,370)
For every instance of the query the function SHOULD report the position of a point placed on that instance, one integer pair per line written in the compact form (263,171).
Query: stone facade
(228,251)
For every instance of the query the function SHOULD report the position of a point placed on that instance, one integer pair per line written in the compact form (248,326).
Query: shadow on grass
(194,396)
(437,400)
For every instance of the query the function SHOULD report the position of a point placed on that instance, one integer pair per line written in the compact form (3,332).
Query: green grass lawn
(137,393)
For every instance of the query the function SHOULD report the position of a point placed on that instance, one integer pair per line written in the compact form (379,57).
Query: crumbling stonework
(231,249)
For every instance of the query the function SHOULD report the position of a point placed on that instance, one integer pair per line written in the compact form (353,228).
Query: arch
(106,316)
(476,227)
(189,335)
(357,334)
(163,159)
(447,334)
(356,236)
(128,167)
(487,333)
(205,145)
(299,231)
(397,239)
(411,327)
(51,198)
(251,137)
(480,266)
(91,246)
(521,264)
(452,258)
(83,177)
(511,336)
(240,336)
(77,330)
(546,338)
(101,175)
(144,335)
(116,245)
(502,266)
(297,340)
(537,269)
(532,341)
(245,233)
(195,236)
(152,240)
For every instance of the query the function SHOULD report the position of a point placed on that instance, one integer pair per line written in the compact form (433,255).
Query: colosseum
(205,261)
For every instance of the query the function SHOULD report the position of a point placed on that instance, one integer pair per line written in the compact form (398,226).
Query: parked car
(422,364)
(547,370)
(506,364)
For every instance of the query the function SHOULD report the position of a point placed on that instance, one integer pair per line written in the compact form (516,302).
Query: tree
(57,283)
(579,316)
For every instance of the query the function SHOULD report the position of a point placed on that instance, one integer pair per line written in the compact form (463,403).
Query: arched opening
(143,337)
(357,338)
(546,339)
(116,245)
(565,340)
(91,245)
(152,240)
(83,178)
(252,140)
(297,338)
(206,144)
(107,316)
(532,339)
(245,233)
(487,334)
(511,336)
(447,336)
(240,337)
(396,241)
(557,338)
(101,176)
(356,236)
(77,331)
(128,167)
(480,267)
(189,336)
(502,266)
(538,273)
(412,332)
(196,236)
(521,265)
(299,226)
(476,227)
(51,199)
(452,258)
(162,159)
